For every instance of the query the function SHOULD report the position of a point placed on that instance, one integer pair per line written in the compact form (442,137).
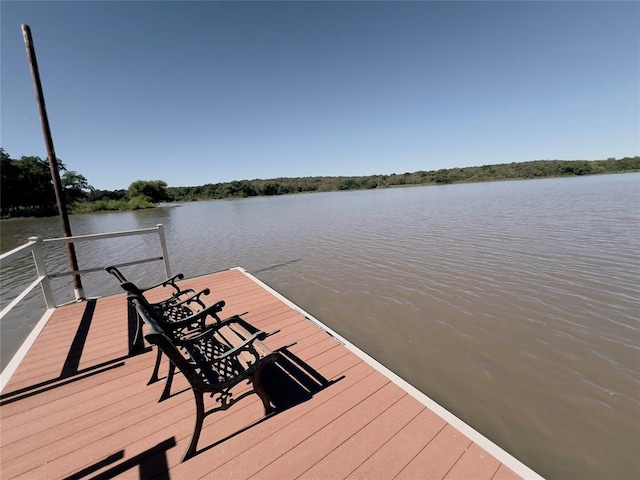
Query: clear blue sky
(206,92)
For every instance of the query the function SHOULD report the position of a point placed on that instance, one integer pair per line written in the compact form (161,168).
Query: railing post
(165,252)
(42,272)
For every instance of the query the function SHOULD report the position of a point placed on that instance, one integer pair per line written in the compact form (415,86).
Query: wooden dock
(78,406)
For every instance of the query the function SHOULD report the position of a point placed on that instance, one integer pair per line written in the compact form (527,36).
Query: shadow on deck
(78,407)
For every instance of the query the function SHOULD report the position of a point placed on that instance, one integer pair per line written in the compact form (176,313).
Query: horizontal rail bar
(100,236)
(16,253)
(15,301)
(98,269)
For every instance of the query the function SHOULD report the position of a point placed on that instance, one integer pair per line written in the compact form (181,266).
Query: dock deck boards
(79,406)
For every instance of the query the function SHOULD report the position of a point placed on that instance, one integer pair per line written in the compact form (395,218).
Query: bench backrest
(196,358)
(169,282)
(196,373)
(163,316)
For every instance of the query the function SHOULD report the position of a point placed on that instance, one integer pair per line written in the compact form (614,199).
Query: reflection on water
(512,304)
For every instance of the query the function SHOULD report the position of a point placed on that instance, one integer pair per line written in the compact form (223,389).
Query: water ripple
(514,304)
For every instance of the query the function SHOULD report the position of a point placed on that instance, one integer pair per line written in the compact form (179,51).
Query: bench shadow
(288,382)
(151,463)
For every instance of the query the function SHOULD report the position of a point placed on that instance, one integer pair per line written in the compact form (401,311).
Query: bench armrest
(191,298)
(169,281)
(242,327)
(247,345)
(211,331)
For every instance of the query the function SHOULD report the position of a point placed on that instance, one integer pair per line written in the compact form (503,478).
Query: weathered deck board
(78,406)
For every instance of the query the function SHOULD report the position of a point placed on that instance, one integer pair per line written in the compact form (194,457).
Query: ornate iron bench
(179,305)
(214,362)
(185,326)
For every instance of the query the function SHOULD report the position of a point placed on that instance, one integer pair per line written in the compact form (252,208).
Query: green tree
(96,195)
(153,191)
(348,184)
(8,182)
(27,188)
(271,188)
(76,186)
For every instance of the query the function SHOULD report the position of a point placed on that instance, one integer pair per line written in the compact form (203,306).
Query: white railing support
(35,244)
(100,236)
(17,252)
(41,268)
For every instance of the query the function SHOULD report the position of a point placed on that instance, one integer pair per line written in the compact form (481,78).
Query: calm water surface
(515,304)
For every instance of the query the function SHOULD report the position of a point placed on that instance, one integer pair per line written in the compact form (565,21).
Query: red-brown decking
(88,413)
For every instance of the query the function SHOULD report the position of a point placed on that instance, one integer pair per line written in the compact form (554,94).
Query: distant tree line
(485,173)
(27,190)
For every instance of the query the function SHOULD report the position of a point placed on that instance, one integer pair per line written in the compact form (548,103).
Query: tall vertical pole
(53,161)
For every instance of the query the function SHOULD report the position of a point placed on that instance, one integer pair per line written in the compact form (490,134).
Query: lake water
(513,304)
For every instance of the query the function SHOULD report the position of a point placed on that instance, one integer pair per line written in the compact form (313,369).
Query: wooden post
(53,161)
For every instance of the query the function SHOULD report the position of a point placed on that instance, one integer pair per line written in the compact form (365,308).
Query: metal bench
(181,304)
(188,325)
(214,362)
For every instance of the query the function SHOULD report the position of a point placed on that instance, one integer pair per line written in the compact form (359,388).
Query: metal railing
(35,244)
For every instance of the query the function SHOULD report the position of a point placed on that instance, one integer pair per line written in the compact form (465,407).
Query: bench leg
(191,451)
(136,337)
(156,369)
(166,392)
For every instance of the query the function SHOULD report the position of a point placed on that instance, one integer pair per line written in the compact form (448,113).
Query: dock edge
(502,455)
